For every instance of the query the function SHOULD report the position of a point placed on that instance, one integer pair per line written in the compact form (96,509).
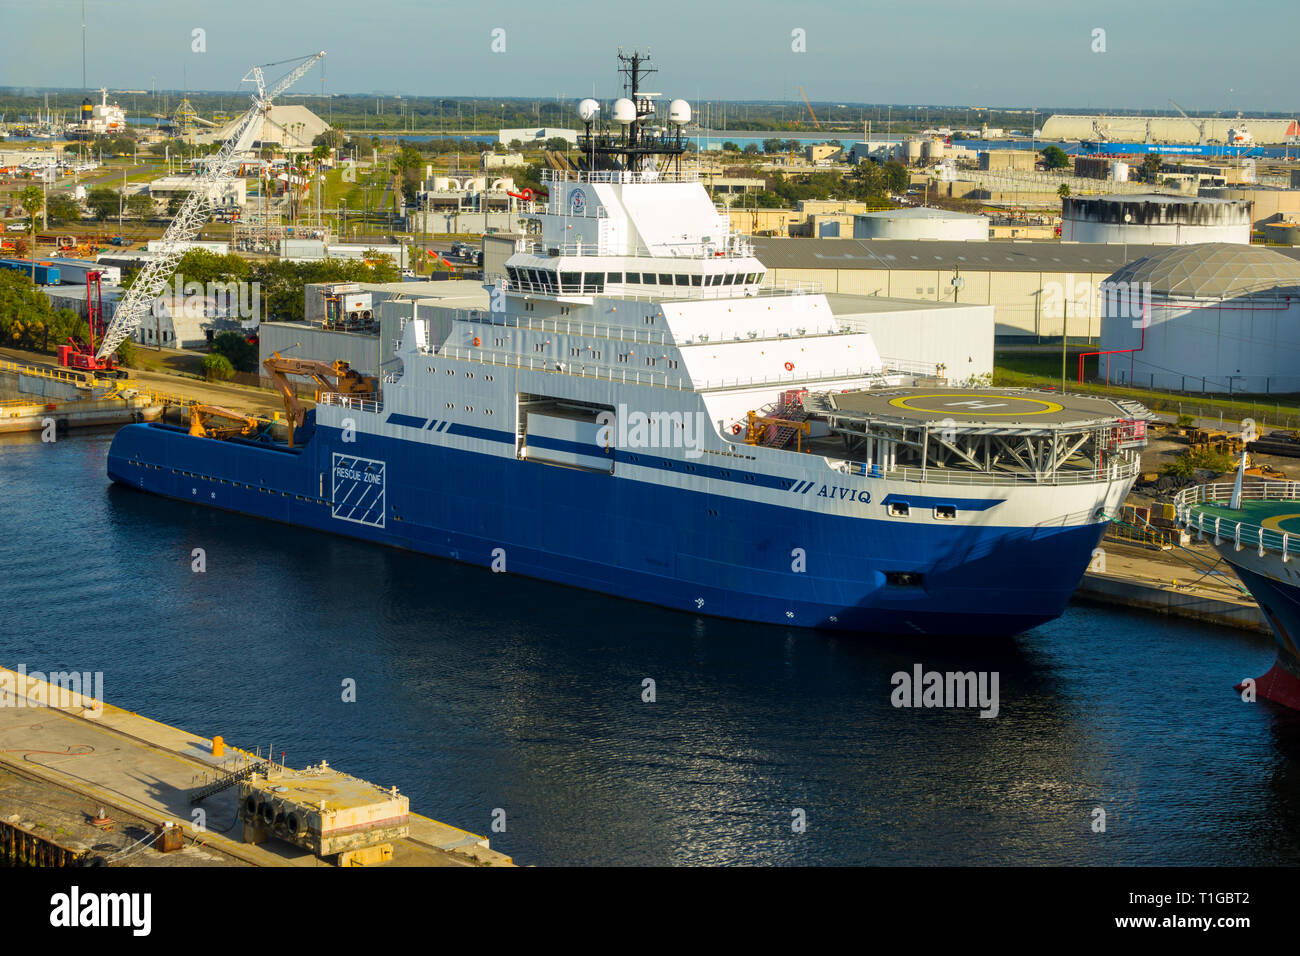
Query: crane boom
(155,275)
(810,109)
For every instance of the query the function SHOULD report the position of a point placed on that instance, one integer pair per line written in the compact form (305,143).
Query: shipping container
(45,273)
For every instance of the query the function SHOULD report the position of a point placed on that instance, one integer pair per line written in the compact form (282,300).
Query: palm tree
(32,199)
(1063,190)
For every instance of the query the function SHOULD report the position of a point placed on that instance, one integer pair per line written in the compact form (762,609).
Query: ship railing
(351,402)
(634,334)
(618,176)
(1189,511)
(1116,471)
(705,250)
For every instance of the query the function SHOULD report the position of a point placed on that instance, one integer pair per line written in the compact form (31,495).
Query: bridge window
(616,277)
(697,280)
(633,278)
(570,282)
(593,282)
(681,280)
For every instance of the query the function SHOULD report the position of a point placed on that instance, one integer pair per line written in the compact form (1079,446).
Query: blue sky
(1206,55)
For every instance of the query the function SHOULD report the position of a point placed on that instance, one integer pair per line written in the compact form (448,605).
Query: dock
(1156,581)
(65,399)
(69,762)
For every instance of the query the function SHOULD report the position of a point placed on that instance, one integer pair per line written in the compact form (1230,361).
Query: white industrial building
(1155,218)
(225,194)
(537,136)
(1218,317)
(287,127)
(921,223)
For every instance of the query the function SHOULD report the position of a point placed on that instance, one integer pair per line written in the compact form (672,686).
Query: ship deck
(1004,407)
(1271,515)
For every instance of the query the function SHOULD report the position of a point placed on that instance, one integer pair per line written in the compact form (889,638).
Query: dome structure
(1213,270)
(1212,317)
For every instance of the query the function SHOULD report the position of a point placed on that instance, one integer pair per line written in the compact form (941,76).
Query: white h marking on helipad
(976,404)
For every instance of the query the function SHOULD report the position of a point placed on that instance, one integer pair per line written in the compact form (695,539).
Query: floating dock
(85,783)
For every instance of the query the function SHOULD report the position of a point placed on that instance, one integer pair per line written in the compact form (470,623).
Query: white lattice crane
(153,278)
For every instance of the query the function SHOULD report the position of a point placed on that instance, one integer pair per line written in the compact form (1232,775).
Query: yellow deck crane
(336,377)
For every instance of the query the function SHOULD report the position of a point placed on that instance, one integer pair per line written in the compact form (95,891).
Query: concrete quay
(63,756)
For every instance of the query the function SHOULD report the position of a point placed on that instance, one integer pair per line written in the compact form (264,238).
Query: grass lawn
(1037,369)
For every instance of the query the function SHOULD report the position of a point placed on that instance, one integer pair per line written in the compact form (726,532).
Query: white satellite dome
(624,111)
(588,109)
(679,112)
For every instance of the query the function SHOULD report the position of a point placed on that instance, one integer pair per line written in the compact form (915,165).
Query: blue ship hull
(701,553)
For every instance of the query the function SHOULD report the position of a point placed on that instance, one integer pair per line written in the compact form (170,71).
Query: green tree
(1063,190)
(63,209)
(897,178)
(730,147)
(558,144)
(32,200)
(140,206)
(751,149)
(1151,164)
(238,351)
(1055,158)
(103,201)
(217,367)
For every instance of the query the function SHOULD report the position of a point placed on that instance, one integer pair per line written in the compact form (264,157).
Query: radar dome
(588,109)
(679,112)
(624,111)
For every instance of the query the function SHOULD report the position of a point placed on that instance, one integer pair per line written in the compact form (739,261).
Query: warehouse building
(1155,218)
(1219,317)
(1036,288)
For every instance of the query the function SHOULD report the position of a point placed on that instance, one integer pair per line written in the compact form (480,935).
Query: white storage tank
(1119,172)
(1155,218)
(921,223)
(1212,317)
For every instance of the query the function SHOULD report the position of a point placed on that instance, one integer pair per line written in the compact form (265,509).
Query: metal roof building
(1217,317)
(1027,283)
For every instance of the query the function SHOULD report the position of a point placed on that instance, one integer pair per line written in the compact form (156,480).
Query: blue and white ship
(640,412)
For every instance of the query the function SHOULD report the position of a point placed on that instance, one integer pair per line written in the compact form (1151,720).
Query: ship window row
(548,282)
(235,484)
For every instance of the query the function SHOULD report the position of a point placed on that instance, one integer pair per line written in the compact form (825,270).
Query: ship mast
(634,139)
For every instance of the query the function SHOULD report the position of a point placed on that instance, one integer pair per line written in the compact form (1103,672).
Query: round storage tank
(1212,317)
(921,223)
(1155,219)
(1119,172)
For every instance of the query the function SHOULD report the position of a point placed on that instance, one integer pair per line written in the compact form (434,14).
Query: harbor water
(488,698)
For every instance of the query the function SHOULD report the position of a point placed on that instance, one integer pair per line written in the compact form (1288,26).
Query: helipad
(969,405)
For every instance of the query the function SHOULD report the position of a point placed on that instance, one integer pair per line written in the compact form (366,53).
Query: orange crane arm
(329,377)
(202,424)
(810,109)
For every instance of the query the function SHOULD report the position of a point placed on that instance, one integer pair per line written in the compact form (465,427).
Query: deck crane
(1200,127)
(153,278)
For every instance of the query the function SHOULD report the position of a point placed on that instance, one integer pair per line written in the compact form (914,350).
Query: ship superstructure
(641,412)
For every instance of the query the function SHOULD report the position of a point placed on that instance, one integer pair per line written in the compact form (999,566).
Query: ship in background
(1252,524)
(640,412)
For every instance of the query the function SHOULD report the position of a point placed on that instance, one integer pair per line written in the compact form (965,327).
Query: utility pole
(1065,325)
